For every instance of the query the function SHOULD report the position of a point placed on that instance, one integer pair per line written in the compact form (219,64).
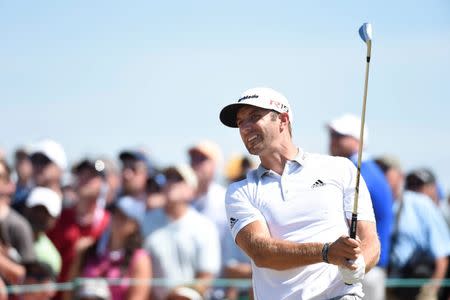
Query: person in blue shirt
(421,238)
(344,141)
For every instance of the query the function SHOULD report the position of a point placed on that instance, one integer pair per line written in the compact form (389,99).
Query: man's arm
(267,252)
(370,244)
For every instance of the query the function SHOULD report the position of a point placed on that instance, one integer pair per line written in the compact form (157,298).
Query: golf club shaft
(354,221)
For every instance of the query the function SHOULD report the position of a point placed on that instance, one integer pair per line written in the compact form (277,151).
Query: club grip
(353,225)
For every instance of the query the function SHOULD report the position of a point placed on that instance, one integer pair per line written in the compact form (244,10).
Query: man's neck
(176,210)
(4,209)
(276,160)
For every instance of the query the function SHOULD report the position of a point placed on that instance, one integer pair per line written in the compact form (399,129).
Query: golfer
(291,215)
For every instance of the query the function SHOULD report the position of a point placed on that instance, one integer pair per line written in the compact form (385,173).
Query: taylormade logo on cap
(262,97)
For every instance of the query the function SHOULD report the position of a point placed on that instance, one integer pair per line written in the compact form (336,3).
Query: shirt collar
(299,158)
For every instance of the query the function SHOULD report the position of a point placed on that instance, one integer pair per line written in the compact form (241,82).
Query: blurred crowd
(126,228)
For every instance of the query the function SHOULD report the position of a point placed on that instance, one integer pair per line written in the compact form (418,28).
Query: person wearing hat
(16,238)
(119,253)
(83,223)
(43,207)
(205,158)
(183,244)
(423,181)
(420,237)
(136,170)
(344,133)
(24,171)
(48,161)
(291,215)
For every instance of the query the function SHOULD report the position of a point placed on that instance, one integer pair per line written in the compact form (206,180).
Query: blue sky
(106,75)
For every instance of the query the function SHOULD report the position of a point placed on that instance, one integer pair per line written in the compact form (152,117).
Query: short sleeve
(240,207)
(438,231)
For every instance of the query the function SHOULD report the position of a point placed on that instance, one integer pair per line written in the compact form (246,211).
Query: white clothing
(212,205)
(310,202)
(181,248)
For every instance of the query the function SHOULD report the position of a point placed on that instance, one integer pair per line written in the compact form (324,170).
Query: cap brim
(228,114)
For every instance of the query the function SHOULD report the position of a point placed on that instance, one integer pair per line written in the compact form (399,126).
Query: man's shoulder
(318,159)
(14,220)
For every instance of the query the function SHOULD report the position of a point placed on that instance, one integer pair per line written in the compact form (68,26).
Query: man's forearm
(370,243)
(282,255)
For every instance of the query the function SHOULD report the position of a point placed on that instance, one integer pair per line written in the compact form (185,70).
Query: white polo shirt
(310,202)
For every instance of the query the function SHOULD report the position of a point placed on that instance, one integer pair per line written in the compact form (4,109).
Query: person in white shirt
(183,244)
(291,215)
(205,158)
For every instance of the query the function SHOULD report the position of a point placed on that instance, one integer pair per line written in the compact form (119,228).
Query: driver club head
(365,32)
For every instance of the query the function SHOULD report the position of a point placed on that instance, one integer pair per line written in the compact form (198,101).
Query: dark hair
(383,166)
(418,178)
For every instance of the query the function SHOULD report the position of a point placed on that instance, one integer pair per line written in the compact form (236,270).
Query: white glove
(354,276)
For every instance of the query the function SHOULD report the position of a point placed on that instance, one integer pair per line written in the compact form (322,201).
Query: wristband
(325,249)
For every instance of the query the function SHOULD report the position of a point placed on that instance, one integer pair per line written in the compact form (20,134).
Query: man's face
(6,185)
(40,219)
(342,145)
(396,181)
(177,190)
(259,129)
(24,168)
(88,183)
(45,172)
(134,176)
(203,166)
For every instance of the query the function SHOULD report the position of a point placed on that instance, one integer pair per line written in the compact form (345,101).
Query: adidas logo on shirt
(232,222)
(317,184)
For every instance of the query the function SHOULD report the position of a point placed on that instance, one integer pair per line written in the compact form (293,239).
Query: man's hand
(343,251)
(356,274)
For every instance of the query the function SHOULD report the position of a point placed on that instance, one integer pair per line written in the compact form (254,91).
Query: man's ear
(284,118)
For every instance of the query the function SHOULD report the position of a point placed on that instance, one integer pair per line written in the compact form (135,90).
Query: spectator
(205,158)
(39,273)
(48,161)
(112,178)
(83,223)
(423,181)
(136,169)
(155,197)
(119,254)
(344,141)
(16,238)
(183,244)
(24,170)
(421,239)
(43,209)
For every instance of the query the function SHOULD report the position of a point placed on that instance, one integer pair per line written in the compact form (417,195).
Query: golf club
(365,32)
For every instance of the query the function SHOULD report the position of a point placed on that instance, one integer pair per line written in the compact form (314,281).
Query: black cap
(419,177)
(96,166)
(139,156)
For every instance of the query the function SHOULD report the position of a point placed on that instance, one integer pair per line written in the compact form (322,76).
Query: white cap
(350,125)
(53,150)
(133,208)
(188,293)
(208,148)
(186,172)
(260,97)
(46,197)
